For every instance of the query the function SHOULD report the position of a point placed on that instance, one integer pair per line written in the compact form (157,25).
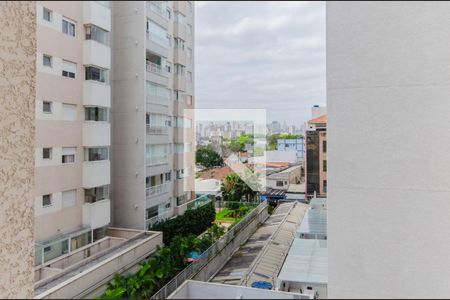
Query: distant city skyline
(270,55)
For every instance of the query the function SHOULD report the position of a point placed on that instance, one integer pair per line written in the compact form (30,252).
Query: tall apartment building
(72,142)
(388,89)
(316,157)
(153,136)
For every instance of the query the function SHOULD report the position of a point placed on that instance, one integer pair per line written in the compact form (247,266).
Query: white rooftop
(307,262)
(315,222)
(207,186)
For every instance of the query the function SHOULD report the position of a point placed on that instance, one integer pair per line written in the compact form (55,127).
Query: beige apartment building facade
(153,84)
(72,142)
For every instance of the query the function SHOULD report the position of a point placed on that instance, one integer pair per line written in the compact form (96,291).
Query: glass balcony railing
(156,160)
(162,41)
(155,129)
(159,8)
(154,68)
(157,189)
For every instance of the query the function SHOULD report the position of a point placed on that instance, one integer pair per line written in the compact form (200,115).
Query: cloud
(261,55)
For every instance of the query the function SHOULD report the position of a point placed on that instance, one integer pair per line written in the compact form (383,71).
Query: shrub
(194,221)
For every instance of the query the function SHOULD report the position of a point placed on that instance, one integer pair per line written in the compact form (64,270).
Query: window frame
(70,22)
(49,198)
(50,104)
(50,60)
(50,150)
(50,14)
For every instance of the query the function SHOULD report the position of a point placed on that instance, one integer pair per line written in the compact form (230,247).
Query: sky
(261,55)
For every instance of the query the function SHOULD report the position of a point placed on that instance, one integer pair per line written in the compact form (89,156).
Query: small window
(48,249)
(95,154)
(280,183)
(47,60)
(168,176)
(47,14)
(68,155)
(69,69)
(69,112)
(324,146)
(324,166)
(68,27)
(47,107)
(168,67)
(47,153)
(46,200)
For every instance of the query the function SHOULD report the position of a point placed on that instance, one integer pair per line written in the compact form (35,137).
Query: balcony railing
(153,129)
(163,42)
(156,160)
(158,9)
(157,190)
(152,99)
(154,68)
(161,217)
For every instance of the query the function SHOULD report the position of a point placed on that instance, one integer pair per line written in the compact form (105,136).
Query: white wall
(388,89)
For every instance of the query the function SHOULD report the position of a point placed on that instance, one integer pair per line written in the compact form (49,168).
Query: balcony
(96,54)
(85,272)
(160,100)
(160,217)
(157,44)
(157,190)
(157,130)
(97,14)
(157,14)
(157,160)
(96,134)
(156,74)
(97,214)
(96,173)
(96,93)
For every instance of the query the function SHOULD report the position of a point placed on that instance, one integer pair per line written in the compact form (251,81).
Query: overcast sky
(261,55)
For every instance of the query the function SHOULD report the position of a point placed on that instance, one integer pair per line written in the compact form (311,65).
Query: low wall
(214,265)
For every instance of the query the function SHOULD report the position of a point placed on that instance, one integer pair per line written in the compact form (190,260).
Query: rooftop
(314,223)
(306,262)
(319,120)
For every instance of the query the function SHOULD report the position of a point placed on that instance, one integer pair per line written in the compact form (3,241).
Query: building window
(168,176)
(69,112)
(96,194)
(68,155)
(179,43)
(69,69)
(324,146)
(47,107)
(69,198)
(189,29)
(168,67)
(168,13)
(47,14)
(68,27)
(95,154)
(46,200)
(179,18)
(280,183)
(97,74)
(152,212)
(324,186)
(324,166)
(189,76)
(97,34)
(179,69)
(47,153)
(98,114)
(47,60)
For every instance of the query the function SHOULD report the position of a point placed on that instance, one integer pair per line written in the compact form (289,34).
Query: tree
(208,158)
(234,188)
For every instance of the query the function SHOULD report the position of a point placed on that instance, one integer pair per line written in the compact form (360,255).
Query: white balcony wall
(97,214)
(97,54)
(96,173)
(97,14)
(96,134)
(96,93)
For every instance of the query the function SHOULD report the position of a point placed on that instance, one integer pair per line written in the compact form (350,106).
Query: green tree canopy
(208,158)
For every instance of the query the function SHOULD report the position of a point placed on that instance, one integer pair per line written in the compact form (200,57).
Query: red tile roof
(321,119)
